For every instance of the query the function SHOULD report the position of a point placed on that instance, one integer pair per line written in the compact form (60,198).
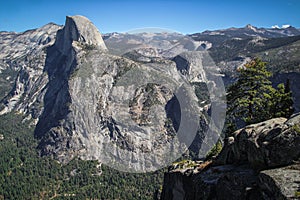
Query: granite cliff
(120,110)
(22,63)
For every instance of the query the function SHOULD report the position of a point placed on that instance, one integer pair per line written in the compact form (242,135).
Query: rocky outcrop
(268,144)
(127,105)
(18,45)
(233,182)
(80,30)
(56,124)
(280,183)
(22,56)
(186,64)
(132,115)
(260,161)
(221,182)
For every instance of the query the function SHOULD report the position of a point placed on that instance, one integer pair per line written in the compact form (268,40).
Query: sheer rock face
(110,108)
(56,125)
(80,29)
(90,103)
(272,146)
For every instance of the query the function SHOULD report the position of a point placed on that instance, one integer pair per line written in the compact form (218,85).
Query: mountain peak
(286,26)
(49,27)
(86,31)
(249,26)
(81,29)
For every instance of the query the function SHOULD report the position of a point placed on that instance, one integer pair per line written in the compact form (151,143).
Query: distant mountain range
(231,43)
(251,31)
(228,47)
(279,47)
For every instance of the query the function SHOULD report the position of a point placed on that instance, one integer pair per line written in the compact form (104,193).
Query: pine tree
(288,100)
(252,98)
(248,96)
(282,104)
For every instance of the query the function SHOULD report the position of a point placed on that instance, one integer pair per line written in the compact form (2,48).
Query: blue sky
(118,16)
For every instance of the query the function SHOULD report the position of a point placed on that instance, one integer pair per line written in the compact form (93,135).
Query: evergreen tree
(248,96)
(252,98)
(282,104)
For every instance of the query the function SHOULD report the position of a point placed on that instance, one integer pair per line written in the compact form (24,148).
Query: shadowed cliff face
(56,126)
(131,106)
(117,110)
(60,63)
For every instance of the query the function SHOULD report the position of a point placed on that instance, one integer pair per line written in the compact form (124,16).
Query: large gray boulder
(272,143)
(272,146)
(218,182)
(280,183)
(233,182)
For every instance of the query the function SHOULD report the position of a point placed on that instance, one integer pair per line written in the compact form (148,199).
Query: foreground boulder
(280,183)
(219,182)
(272,143)
(260,161)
